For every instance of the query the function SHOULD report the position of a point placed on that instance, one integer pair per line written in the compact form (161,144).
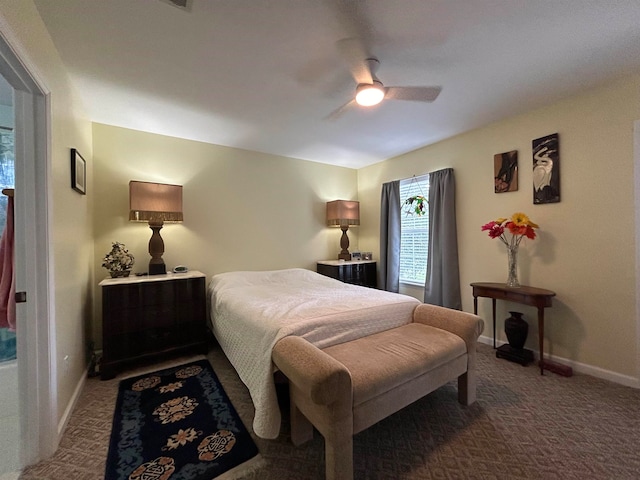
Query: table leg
(493,304)
(541,337)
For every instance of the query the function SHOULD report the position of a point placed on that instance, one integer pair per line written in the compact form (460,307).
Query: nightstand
(150,317)
(356,272)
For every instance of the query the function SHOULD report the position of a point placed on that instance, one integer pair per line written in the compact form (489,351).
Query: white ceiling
(263,75)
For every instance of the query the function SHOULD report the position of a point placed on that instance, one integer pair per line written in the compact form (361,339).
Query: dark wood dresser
(357,272)
(151,317)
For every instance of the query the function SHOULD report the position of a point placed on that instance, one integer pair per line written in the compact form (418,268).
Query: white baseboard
(62,424)
(578,367)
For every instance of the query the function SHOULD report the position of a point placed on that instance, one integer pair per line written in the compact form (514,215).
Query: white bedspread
(251,311)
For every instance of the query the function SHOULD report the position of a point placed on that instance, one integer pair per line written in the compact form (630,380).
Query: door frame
(636,170)
(37,389)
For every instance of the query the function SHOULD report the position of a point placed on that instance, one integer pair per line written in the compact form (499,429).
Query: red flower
(519,226)
(495,229)
(530,233)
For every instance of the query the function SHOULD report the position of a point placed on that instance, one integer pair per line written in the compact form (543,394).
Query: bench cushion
(381,362)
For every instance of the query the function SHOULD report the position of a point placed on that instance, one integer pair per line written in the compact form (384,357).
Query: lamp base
(157,268)
(344,244)
(156,249)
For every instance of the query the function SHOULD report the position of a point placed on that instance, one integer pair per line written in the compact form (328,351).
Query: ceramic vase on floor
(516,328)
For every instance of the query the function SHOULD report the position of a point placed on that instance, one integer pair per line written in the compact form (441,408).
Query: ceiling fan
(370,90)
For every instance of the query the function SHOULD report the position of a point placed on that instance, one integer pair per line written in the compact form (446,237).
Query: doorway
(9,414)
(33,384)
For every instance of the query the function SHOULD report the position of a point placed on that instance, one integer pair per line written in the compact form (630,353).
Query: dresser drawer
(140,319)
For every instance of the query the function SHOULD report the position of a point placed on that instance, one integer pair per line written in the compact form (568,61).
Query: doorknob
(21,297)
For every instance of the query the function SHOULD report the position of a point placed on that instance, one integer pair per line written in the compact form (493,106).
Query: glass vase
(512,256)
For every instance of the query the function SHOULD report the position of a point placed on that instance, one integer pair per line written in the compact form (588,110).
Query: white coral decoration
(118,259)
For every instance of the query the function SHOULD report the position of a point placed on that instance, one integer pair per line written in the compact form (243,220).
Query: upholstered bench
(346,388)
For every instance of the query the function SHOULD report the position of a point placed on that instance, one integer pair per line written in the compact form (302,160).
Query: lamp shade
(154,202)
(343,213)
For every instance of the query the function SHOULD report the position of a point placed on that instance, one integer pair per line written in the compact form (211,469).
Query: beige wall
(585,251)
(71,235)
(242,210)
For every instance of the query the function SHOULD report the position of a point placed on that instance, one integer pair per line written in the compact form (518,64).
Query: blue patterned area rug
(177,423)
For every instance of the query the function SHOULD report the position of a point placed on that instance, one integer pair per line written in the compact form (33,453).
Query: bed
(251,311)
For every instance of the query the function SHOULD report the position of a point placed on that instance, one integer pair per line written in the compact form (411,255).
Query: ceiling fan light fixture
(369,95)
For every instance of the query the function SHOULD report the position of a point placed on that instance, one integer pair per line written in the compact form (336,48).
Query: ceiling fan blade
(338,112)
(355,55)
(416,94)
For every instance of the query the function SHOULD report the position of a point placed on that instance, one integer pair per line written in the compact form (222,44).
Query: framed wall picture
(505,171)
(546,169)
(78,172)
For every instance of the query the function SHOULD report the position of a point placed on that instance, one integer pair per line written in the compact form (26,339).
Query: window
(414,233)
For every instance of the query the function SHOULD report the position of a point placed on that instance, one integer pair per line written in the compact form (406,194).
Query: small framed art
(78,172)
(505,171)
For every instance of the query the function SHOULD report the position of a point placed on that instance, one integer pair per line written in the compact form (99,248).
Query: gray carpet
(523,426)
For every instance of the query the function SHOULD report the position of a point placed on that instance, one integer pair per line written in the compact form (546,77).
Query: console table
(535,297)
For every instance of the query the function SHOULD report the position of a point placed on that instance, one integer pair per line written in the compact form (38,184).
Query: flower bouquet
(518,227)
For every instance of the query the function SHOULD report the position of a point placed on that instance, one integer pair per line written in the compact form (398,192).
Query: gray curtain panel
(442,286)
(389,268)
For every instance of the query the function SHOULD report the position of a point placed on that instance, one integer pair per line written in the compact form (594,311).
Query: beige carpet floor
(523,426)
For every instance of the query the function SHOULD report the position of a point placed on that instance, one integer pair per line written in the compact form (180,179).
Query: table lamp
(343,213)
(155,203)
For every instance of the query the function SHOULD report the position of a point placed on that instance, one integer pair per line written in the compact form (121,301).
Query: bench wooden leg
(467,388)
(301,427)
(339,459)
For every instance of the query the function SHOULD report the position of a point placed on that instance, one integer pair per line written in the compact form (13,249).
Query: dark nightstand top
(337,263)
